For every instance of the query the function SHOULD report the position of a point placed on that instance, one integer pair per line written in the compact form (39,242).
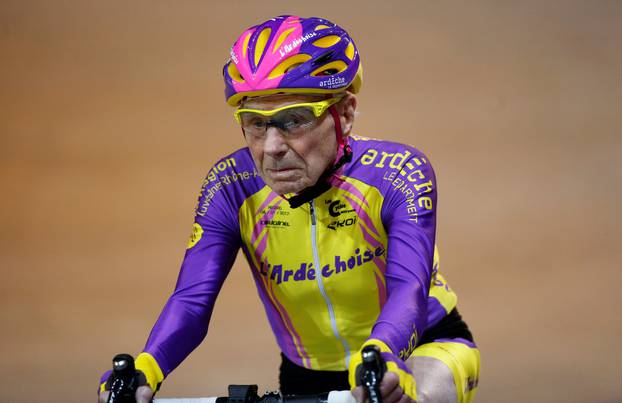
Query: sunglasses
(290,119)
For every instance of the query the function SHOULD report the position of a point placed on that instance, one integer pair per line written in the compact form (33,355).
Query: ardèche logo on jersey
(336,208)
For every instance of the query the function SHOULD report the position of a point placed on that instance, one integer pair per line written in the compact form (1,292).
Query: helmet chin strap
(344,155)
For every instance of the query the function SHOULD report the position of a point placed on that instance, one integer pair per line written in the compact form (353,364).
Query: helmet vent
(326,57)
(234,73)
(245,44)
(292,67)
(328,72)
(327,41)
(288,65)
(260,45)
(282,38)
(350,51)
(330,69)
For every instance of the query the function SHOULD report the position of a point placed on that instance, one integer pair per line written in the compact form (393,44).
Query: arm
(410,220)
(408,214)
(184,321)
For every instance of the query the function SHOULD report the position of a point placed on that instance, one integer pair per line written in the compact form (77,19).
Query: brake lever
(124,384)
(374,369)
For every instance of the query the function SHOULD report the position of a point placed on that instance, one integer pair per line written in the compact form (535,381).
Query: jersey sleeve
(409,216)
(211,251)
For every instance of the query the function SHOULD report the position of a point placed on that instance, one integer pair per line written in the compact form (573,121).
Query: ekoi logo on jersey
(335,225)
(305,271)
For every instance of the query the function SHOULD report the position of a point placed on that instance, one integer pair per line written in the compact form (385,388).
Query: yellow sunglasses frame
(318,108)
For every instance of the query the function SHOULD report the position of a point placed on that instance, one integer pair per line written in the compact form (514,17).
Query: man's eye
(296,120)
(256,123)
(292,124)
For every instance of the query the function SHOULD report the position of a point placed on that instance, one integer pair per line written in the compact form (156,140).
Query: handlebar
(373,368)
(343,396)
(187,400)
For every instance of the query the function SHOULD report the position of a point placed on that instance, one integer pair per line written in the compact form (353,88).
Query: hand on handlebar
(377,362)
(144,394)
(390,390)
(125,383)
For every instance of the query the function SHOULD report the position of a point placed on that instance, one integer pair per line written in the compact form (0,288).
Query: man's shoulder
(233,175)
(236,167)
(238,160)
(375,160)
(399,172)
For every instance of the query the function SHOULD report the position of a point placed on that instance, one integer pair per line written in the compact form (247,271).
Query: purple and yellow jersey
(357,262)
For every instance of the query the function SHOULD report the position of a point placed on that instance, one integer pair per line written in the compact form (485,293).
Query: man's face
(291,162)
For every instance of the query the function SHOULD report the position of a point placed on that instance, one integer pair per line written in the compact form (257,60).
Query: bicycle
(373,368)
(248,394)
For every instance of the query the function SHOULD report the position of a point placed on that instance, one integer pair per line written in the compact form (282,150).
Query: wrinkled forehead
(278,100)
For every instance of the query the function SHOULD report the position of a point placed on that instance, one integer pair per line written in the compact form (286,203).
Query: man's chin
(287,187)
(287,190)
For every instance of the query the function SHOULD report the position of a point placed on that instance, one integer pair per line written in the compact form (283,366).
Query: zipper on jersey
(320,283)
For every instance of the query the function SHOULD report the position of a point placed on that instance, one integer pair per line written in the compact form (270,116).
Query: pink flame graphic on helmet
(258,81)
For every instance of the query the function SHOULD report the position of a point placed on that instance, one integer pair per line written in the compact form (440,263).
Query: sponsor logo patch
(342,223)
(304,271)
(337,207)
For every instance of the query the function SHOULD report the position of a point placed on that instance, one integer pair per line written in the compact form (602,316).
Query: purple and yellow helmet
(290,54)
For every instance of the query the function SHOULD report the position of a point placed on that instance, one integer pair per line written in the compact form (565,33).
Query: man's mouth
(282,171)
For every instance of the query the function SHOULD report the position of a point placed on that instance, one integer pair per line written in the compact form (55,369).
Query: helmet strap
(344,155)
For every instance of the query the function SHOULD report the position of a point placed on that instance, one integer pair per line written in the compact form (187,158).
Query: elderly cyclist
(338,231)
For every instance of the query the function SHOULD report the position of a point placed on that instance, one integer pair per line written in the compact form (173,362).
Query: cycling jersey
(357,262)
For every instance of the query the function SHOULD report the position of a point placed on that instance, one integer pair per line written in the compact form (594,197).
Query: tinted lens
(292,121)
(253,123)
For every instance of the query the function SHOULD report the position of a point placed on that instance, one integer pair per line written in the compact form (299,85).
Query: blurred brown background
(111,113)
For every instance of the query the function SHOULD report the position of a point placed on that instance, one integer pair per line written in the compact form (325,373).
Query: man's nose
(275,144)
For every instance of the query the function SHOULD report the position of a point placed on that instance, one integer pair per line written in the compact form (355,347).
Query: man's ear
(347,109)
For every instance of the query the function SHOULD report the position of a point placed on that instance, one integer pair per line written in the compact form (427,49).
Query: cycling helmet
(290,54)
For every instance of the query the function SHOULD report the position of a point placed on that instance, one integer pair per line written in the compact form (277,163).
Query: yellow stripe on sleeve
(146,363)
